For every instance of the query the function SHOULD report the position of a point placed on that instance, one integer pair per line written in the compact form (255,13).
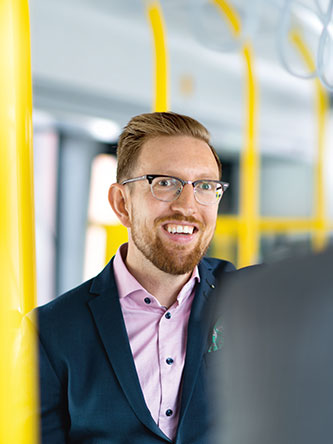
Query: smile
(180,234)
(179,229)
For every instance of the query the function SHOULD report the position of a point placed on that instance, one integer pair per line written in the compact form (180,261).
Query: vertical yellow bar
(248,240)
(248,237)
(115,236)
(18,369)
(320,234)
(161,89)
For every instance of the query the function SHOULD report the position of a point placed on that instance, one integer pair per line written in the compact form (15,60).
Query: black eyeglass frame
(151,177)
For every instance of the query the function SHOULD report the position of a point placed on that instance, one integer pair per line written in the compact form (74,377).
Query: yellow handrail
(320,233)
(248,239)
(161,85)
(228,225)
(117,234)
(18,372)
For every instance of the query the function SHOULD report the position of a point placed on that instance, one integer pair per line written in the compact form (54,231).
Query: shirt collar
(126,282)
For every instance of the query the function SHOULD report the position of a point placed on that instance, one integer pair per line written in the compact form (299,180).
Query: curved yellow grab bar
(320,233)
(248,238)
(161,89)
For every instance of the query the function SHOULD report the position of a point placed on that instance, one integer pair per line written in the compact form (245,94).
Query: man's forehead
(166,140)
(172,147)
(173,155)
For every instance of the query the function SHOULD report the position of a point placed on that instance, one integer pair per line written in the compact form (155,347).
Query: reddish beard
(170,260)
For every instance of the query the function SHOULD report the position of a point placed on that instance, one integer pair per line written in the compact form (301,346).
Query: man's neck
(164,286)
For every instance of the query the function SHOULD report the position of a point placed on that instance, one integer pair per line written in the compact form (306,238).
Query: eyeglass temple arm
(133,180)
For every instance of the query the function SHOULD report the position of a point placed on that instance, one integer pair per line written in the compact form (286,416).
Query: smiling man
(128,352)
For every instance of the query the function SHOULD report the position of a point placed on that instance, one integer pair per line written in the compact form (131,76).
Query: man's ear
(118,202)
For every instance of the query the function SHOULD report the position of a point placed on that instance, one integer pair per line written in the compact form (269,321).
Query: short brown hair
(147,126)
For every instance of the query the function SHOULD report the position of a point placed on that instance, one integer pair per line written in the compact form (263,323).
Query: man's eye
(164,183)
(205,186)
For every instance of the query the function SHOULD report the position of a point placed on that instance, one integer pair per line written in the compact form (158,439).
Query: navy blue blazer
(90,391)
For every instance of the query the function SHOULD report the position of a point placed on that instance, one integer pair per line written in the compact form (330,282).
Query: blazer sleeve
(53,403)
(54,417)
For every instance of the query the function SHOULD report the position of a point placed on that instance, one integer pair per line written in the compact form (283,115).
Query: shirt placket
(170,370)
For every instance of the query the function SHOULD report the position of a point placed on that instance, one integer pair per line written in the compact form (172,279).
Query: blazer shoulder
(80,295)
(218,265)
(71,297)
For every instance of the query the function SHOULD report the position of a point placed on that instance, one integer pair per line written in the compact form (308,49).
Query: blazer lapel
(198,329)
(106,311)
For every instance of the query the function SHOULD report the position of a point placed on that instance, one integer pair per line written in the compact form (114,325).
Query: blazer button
(169,361)
(147,300)
(169,412)
(168,315)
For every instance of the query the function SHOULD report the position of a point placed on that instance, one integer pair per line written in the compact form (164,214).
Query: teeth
(180,229)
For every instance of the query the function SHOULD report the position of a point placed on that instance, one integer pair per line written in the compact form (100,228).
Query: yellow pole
(161,85)
(320,234)
(248,238)
(18,374)
(115,236)
(248,241)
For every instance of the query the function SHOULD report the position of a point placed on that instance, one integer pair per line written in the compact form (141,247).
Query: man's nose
(186,203)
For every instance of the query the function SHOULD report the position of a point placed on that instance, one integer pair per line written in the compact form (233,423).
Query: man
(275,369)
(123,356)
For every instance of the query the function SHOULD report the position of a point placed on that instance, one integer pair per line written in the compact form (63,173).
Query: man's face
(153,221)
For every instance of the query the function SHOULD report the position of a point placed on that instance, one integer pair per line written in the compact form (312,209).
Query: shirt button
(169,412)
(169,361)
(168,315)
(147,300)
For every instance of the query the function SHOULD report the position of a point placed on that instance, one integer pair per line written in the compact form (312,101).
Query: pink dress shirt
(157,337)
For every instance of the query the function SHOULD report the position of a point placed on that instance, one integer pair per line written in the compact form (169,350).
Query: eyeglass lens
(168,189)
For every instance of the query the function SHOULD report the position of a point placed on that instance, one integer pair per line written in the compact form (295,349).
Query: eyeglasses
(169,188)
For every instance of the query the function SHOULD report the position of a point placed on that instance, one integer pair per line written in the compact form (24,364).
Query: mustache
(179,218)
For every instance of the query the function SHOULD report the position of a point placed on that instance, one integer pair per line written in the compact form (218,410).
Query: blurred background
(258,74)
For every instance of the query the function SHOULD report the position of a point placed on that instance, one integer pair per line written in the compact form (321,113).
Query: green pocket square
(217,337)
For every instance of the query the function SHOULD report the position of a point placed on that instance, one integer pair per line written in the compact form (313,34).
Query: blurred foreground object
(18,392)
(275,370)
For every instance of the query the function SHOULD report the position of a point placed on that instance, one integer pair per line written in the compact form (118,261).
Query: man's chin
(176,269)
(177,261)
